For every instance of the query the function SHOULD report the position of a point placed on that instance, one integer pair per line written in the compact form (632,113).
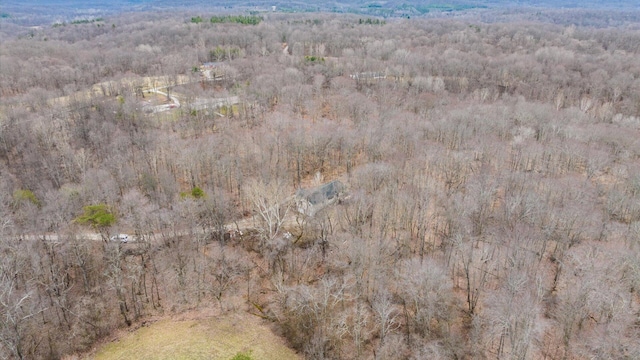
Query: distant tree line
(238,19)
(78,22)
(492,204)
(370,21)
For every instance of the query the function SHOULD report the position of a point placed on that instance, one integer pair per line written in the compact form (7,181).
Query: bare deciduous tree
(271,202)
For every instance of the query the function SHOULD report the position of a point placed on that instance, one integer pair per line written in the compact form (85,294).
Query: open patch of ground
(209,338)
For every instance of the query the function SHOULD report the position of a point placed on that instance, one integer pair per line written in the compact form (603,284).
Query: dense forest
(491,171)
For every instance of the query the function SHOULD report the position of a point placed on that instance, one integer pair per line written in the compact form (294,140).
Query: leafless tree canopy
(490,162)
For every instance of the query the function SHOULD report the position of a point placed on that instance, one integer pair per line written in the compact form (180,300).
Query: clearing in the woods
(209,338)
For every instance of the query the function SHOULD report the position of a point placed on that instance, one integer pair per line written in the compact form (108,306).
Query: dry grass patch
(211,338)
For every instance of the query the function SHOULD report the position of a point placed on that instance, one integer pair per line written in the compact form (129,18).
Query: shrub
(97,216)
(195,193)
(25,195)
(242,356)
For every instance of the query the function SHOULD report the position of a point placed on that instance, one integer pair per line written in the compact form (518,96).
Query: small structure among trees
(310,201)
(212,70)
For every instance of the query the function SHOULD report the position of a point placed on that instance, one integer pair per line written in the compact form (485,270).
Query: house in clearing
(211,71)
(370,77)
(310,201)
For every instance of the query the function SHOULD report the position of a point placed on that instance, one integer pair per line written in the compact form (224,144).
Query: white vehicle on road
(120,237)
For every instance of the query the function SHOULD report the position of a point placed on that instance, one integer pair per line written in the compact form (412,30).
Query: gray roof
(323,193)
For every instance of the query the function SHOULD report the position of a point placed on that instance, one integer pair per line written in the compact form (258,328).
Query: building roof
(211,64)
(321,194)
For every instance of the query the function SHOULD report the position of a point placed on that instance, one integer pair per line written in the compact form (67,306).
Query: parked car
(120,237)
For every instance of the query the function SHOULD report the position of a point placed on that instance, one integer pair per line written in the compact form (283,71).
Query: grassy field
(212,338)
